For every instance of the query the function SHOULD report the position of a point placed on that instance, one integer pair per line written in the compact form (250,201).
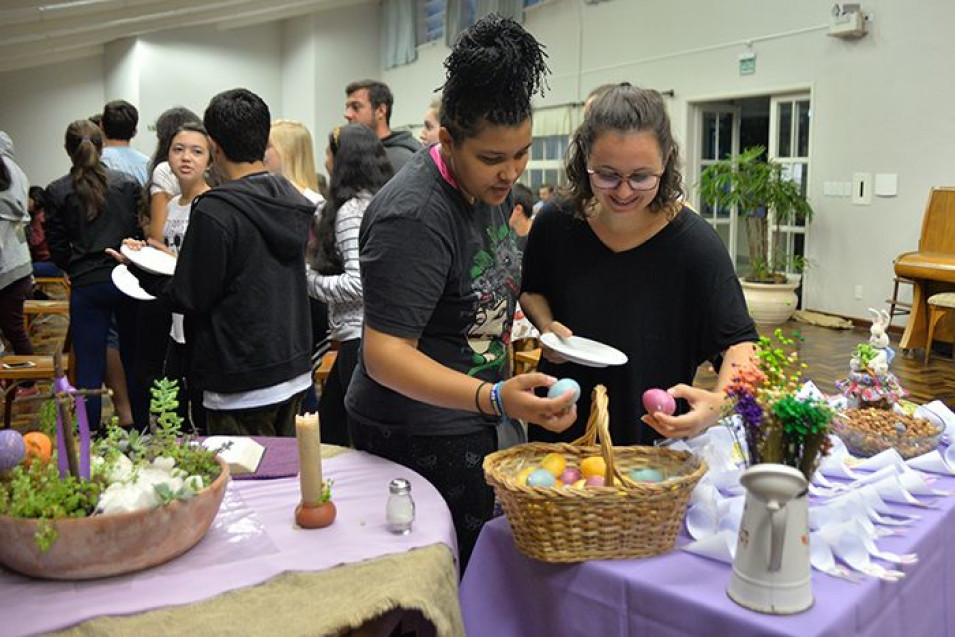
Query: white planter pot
(771,303)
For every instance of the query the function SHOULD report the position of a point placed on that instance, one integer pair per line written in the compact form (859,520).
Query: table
(256,573)
(678,594)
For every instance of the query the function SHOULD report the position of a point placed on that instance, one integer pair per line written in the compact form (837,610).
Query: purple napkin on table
(280,459)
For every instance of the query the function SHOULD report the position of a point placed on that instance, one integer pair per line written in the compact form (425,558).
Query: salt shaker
(399,510)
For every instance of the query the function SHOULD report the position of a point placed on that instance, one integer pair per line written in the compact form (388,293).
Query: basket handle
(598,429)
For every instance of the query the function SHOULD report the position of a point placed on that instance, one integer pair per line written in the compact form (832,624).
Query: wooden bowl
(105,545)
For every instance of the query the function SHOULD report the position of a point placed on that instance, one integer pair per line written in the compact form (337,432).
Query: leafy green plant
(38,492)
(754,187)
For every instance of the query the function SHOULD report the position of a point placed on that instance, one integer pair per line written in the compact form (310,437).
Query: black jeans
(11,315)
(453,464)
(271,420)
(331,406)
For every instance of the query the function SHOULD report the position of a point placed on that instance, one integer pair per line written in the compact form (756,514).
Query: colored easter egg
(12,449)
(593,466)
(562,386)
(38,446)
(570,475)
(595,481)
(655,400)
(541,478)
(580,484)
(646,474)
(555,463)
(524,474)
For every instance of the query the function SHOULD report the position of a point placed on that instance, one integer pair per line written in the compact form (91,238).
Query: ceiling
(40,32)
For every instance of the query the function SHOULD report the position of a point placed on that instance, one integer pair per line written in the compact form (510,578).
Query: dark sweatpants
(453,464)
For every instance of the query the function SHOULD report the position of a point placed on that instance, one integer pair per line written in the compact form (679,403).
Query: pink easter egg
(595,481)
(570,475)
(656,400)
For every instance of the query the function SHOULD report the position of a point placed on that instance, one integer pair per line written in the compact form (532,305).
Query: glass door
(789,121)
(718,127)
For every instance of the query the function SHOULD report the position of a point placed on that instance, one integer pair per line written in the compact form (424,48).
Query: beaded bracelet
(477,399)
(496,400)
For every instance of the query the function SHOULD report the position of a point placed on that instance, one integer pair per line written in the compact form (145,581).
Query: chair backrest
(938,223)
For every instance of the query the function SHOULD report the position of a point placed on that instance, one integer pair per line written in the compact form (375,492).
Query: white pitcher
(771,571)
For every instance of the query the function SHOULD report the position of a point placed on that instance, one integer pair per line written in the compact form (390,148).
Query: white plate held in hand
(584,351)
(128,284)
(151,260)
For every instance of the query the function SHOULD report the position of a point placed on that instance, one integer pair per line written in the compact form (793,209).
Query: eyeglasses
(611,181)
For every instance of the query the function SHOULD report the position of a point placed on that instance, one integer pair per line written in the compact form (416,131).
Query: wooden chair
(44,282)
(526,354)
(931,268)
(325,368)
(16,370)
(939,306)
(897,307)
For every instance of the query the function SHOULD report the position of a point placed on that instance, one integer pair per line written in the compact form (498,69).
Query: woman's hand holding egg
(705,410)
(555,414)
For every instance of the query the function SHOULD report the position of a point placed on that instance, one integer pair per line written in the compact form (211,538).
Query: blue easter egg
(562,386)
(646,474)
(541,478)
(12,449)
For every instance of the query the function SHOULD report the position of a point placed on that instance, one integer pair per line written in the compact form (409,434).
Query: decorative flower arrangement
(780,424)
(128,471)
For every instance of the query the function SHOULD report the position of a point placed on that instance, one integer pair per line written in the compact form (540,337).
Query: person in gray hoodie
(16,269)
(369,102)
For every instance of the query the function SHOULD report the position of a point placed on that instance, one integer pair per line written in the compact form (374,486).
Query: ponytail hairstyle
(624,109)
(494,69)
(84,143)
(360,164)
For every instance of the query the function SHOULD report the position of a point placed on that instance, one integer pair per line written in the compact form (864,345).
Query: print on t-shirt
(494,281)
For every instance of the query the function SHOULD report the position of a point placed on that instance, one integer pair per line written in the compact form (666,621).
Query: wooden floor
(827,352)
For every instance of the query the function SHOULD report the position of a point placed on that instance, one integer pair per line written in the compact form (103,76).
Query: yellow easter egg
(554,463)
(593,466)
(522,476)
(580,484)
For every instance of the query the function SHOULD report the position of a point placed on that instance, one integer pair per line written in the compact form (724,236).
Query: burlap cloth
(331,602)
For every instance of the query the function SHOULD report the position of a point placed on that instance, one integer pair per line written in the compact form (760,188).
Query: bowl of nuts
(868,431)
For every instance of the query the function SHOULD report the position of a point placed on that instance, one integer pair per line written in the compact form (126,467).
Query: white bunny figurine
(880,324)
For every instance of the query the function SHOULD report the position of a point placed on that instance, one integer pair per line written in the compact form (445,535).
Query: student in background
(163,185)
(118,124)
(289,154)
(369,102)
(91,209)
(359,167)
(432,123)
(522,214)
(15,266)
(36,238)
(240,281)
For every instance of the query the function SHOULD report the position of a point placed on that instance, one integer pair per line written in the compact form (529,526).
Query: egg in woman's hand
(657,400)
(562,386)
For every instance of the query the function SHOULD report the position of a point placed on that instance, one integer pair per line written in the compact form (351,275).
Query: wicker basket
(623,519)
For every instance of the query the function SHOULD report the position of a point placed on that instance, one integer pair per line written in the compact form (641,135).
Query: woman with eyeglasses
(634,268)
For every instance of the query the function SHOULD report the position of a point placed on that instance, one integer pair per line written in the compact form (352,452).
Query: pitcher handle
(778,513)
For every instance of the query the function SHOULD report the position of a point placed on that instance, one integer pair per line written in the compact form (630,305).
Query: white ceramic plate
(129,285)
(584,351)
(151,260)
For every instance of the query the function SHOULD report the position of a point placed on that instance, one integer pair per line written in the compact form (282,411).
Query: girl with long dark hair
(91,209)
(359,167)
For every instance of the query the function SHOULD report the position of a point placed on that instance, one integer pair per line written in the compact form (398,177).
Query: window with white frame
(430,20)
(552,130)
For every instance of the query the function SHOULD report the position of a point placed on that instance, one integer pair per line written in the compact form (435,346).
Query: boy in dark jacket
(240,281)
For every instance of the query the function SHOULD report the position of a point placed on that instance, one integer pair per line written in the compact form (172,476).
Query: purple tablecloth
(252,540)
(504,593)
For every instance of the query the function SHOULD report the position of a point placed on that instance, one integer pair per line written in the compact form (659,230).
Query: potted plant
(758,191)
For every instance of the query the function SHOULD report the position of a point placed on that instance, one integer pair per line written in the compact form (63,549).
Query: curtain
(461,14)
(398,46)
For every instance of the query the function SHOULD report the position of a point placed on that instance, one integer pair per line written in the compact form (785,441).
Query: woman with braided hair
(440,274)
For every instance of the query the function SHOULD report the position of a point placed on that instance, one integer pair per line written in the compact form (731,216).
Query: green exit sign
(747,63)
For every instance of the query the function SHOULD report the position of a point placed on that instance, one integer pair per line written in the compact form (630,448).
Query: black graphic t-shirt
(440,270)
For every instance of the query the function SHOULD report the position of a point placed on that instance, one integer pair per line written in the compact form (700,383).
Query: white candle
(309,457)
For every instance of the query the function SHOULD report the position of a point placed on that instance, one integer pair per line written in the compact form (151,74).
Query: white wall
(187,67)
(880,104)
(36,106)
(121,67)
